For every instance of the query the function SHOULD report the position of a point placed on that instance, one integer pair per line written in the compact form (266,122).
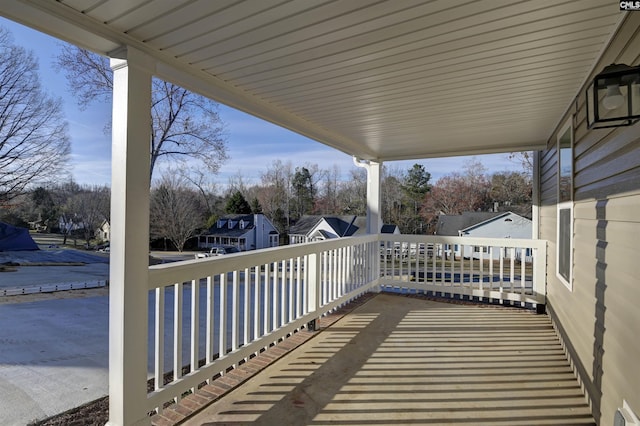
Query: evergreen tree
(237,204)
(256,208)
(304,192)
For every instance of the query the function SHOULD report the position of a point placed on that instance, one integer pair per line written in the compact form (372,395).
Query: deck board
(403,360)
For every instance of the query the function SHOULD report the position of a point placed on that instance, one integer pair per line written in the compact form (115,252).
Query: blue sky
(253,144)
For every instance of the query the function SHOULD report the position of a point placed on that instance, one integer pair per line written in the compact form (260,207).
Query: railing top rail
(170,273)
(476,241)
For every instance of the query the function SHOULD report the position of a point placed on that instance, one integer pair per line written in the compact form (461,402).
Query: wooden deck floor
(402,360)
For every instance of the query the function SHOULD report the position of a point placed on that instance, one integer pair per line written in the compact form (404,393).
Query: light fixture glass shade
(613,97)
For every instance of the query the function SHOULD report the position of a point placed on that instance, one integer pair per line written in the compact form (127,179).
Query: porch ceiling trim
(381,80)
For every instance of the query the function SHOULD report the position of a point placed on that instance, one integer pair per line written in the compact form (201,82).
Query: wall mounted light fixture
(613,97)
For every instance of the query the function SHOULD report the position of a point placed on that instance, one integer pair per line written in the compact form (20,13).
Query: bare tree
(206,188)
(525,159)
(352,194)
(456,193)
(175,211)
(327,202)
(275,193)
(34,139)
(184,125)
(89,207)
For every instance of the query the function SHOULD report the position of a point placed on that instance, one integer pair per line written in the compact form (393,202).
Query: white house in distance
(103,232)
(485,225)
(318,228)
(244,231)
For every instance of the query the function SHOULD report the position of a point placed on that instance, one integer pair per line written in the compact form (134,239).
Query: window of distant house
(564,246)
(242,224)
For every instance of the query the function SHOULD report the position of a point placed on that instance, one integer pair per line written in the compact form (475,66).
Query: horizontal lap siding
(600,317)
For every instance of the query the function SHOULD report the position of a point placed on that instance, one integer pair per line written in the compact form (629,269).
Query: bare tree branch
(184,126)
(34,139)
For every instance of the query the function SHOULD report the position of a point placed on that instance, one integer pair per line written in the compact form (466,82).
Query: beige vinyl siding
(600,318)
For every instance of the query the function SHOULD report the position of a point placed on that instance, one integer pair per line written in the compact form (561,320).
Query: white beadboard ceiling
(382,80)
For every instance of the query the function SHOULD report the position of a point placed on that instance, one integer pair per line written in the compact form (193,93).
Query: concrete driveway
(53,356)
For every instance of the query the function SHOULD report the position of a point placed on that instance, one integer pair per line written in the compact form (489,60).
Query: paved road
(53,357)
(54,347)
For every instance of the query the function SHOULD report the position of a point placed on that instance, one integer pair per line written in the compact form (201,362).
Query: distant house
(244,231)
(103,232)
(317,228)
(482,224)
(70,224)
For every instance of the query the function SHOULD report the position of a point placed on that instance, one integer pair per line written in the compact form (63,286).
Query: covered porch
(215,320)
(382,81)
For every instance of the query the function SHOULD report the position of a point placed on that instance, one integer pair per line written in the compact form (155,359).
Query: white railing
(209,315)
(484,269)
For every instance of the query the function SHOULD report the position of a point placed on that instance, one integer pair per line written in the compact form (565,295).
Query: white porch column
(374,220)
(129,266)
(374,204)
(535,196)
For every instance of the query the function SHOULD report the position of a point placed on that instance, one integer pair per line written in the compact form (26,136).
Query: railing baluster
(299,298)
(267,299)
(491,252)
(222,346)
(246,338)
(235,310)
(523,278)
(512,267)
(210,320)
(462,281)
(195,322)
(442,268)
(434,261)
(276,295)
(283,293)
(291,292)
(394,255)
(305,300)
(502,253)
(257,308)
(159,338)
(177,333)
(452,270)
(481,267)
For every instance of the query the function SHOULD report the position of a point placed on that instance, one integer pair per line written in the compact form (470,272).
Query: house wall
(500,227)
(261,232)
(517,227)
(599,318)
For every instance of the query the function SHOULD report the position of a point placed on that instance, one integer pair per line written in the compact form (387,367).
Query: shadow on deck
(407,360)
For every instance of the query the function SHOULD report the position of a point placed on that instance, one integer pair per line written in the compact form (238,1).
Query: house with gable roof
(318,228)
(485,225)
(244,231)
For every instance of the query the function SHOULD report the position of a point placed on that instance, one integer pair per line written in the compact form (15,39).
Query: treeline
(183,205)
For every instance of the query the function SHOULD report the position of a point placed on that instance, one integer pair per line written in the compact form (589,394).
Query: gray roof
(388,229)
(449,225)
(343,226)
(304,224)
(234,231)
